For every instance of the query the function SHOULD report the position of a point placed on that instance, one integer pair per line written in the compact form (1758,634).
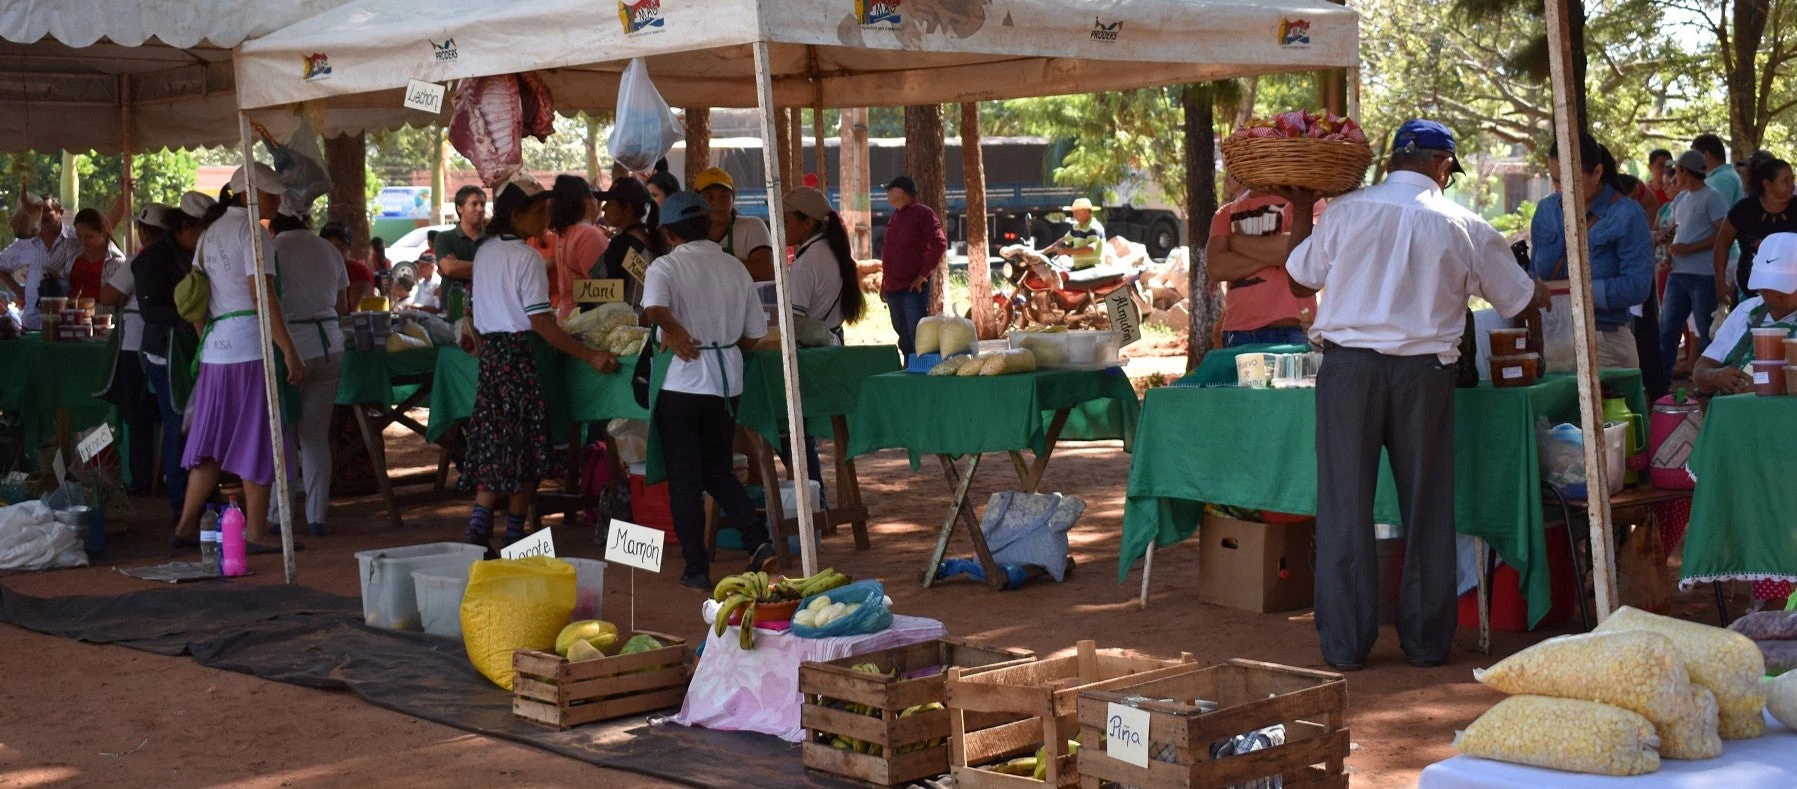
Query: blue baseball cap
(682,206)
(1426,135)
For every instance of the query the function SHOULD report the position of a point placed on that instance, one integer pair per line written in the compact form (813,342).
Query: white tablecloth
(1764,763)
(758,690)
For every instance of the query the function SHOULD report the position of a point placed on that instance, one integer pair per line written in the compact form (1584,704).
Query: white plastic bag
(632,439)
(1559,352)
(645,128)
(31,539)
(300,165)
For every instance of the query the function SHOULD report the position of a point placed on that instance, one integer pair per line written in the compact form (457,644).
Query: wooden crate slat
(1272,761)
(541,664)
(625,664)
(581,714)
(626,683)
(1066,702)
(840,684)
(828,721)
(1156,774)
(554,692)
(901,769)
(1002,742)
(976,778)
(1314,778)
(530,688)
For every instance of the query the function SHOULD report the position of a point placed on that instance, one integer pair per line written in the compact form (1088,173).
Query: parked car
(403,253)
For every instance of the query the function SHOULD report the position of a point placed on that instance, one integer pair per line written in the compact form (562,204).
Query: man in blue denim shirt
(1621,253)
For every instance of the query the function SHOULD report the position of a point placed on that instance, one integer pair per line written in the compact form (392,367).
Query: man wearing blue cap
(1398,261)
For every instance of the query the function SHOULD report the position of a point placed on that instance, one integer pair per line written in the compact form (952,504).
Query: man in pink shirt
(1249,238)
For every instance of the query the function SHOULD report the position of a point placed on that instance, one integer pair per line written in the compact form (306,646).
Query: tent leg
(269,385)
(789,349)
(1147,569)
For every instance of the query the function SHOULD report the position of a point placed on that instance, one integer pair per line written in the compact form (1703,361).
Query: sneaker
(699,581)
(760,557)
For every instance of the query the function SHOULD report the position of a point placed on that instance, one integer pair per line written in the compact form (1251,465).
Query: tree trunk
(795,151)
(856,191)
(346,160)
(783,144)
(698,142)
(1201,204)
(1575,29)
(592,149)
(925,163)
(1244,111)
(979,272)
(1746,127)
(822,151)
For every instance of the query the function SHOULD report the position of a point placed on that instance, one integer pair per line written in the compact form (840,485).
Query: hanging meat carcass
(491,116)
(538,106)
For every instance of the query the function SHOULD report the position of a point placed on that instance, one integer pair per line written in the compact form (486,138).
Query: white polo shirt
(510,285)
(1396,263)
(816,282)
(312,276)
(130,322)
(229,260)
(712,296)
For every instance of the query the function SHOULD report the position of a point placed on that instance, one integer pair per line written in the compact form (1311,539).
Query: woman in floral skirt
(509,445)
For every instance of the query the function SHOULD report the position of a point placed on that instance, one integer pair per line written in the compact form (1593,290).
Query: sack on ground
(1563,734)
(873,615)
(514,604)
(1767,625)
(1726,662)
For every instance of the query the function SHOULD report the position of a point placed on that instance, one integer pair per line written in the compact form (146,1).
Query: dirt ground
(74,714)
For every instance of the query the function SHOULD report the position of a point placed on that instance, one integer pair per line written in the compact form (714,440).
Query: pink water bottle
(230,530)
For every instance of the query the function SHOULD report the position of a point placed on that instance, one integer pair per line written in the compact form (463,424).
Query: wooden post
(795,154)
(973,171)
(1584,328)
(439,175)
(698,142)
(127,179)
(789,349)
(823,151)
(856,191)
(270,387)
(925,164)
(346,160)
(1201,203)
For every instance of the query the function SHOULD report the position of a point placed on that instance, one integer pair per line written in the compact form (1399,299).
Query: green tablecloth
(37,378)
(1256,448)
(936,415)
(1744,511)
(452,391)
(368,375)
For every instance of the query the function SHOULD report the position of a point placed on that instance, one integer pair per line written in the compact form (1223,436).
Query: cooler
(1509,610)
(649,503)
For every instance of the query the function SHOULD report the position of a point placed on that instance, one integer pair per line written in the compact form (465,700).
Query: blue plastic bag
(872,617)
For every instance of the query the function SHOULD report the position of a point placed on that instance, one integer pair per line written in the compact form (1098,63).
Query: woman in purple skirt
(228,410)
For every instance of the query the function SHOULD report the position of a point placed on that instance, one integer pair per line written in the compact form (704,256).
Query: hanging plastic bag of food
(300,165)
(645,128)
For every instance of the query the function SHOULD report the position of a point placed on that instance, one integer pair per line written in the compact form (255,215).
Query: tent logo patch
(445,51)
(1294,32)
(317,66)
(877,12)
(640,15)
(1106,33)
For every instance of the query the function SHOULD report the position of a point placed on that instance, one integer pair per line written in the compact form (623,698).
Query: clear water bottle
(235,562)
(211,550)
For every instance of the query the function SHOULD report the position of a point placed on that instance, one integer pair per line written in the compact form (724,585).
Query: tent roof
(69,67)
(829,52)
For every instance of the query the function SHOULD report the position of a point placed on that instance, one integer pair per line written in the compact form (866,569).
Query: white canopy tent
(787,53)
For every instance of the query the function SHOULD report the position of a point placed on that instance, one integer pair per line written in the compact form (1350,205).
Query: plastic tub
(389,596)
(1515,370)
(1509,341)
(1769,343)
(589,588)
(439,595)
(1769,377)
(1071,350)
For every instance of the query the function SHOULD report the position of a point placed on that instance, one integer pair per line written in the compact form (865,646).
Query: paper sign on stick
(425,96)
(540,543)
(1126,734)
(96,442)
(598,291)
(635,546)
(1126,317)
(637,265)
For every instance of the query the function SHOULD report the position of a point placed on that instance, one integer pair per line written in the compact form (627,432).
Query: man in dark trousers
(1398,261)
(914,246)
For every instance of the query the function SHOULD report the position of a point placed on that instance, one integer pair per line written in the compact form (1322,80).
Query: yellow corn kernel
(1636,670)
(1563,734)
(1726,662)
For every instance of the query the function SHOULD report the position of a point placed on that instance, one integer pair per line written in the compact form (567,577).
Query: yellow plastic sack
(514,604)
(1726,662)
(1637,670)
(1563,734)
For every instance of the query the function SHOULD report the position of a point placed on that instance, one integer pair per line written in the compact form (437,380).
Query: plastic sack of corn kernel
(1563,734)
(514,604)
(1726,662)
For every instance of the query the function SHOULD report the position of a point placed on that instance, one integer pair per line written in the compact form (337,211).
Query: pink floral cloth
(758,690)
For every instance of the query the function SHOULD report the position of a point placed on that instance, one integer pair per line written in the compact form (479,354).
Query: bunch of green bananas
(754,586)
(800,588)
(740,592)
(1033,766)
(918,746)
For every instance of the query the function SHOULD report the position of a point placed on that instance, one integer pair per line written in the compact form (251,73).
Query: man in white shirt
(708,313)
(45,258)
(1398,261)
(1774,280)
(424,294)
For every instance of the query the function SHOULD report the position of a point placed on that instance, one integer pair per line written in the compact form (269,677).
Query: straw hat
(1082,204)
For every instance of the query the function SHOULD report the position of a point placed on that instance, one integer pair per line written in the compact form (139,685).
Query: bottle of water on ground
(211,552)
(235,562)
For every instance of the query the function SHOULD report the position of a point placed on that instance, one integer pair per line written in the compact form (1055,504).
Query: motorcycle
(1048,292)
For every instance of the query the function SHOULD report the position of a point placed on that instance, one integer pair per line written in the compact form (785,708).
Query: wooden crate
(554,692)
(1045,694)
(1250,695)
(906,752)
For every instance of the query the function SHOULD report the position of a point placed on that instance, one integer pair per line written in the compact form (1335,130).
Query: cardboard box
(1240,564)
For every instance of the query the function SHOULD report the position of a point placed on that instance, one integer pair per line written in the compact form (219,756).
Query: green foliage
(1517,221)
(1116,136)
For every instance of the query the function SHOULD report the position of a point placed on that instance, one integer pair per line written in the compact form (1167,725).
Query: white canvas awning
(822,52)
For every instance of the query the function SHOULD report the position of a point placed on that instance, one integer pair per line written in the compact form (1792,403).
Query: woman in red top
(361,277)
(98,258)
(579,245)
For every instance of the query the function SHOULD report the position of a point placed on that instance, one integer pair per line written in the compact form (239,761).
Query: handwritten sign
(637,265)
(425,96)
(635,546)
(540,543)
(1126,734)
(1126,317)
(97,441)
(598,291)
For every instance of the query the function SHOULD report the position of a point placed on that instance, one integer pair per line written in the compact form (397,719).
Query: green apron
(654,470)
(1742,354)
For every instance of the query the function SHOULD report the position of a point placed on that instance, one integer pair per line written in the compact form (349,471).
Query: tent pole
(269,384)
(1584,329)
(789,349)
(127,179)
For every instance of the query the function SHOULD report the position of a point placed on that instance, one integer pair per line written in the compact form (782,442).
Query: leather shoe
(699,581)
(1344,667)
(1425,663)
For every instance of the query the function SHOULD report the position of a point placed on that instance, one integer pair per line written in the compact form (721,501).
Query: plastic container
(439,594)
(389,597)
(1562,453)
(1672,430)
(1769,344)
(1072,350)
(649,503)
(1505,342)
(1769,377)
(1520,369)
(1790,351)
(589,588)
(234,561)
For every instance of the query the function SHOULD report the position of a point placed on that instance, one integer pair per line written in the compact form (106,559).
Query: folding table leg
(762,456)
(1054,436)
(1147,569)
(962,511)
(1482,553)
(848,484)
(377,456)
